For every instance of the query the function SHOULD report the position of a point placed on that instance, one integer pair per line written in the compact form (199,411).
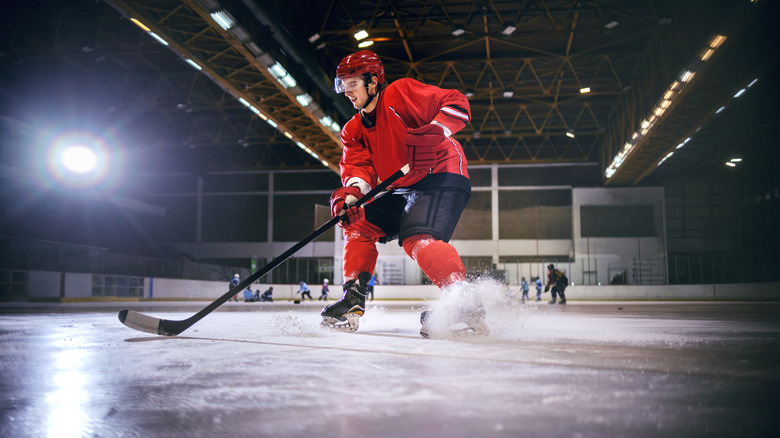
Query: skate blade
(350,324)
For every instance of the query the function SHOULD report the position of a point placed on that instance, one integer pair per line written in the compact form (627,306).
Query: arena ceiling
(236,85)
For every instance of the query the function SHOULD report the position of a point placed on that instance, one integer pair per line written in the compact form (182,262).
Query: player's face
(355,90)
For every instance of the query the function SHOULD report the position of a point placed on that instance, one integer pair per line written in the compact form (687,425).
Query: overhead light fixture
(361,35)
(735,160)
(508,94)
(611,25)
(366,43)
(469,93)
(458,30)
(141,25)
(716,41)
(584,90)
(508,29)
(223,19)
(304,99)
(730,164)
(194,64)
(314,38)
(160,40)
(570,133)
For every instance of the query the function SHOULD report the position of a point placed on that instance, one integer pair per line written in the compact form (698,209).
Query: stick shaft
(167,327)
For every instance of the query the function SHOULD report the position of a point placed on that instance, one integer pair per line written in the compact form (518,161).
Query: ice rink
(588,369)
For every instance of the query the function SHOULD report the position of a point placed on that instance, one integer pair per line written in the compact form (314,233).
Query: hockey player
(538,284)
(558,281)
(524,286)
(304,291)
(403,122)
(324,291)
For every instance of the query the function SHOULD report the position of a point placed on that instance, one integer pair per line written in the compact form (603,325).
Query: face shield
(348,84)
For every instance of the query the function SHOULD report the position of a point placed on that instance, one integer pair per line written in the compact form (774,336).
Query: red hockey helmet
(359,64)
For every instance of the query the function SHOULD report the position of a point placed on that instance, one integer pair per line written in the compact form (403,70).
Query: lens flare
(80,160)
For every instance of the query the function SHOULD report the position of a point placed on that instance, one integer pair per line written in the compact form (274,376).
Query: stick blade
(139,321)
(150,324)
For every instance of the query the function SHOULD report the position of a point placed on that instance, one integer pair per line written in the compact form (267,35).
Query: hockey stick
(166,327)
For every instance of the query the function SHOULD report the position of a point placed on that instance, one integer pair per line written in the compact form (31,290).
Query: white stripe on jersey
(455,113)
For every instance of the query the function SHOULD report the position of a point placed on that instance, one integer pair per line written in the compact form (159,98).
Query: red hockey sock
(360,252)
(438,260)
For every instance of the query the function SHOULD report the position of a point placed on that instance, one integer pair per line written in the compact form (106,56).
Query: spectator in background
(538,289)
(233,283)
(248,297)
(325,290)
(370,289)
(267,295)
(304,290)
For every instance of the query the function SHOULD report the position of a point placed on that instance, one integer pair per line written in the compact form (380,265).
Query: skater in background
(248,297)
(405,122)
(558,281)
(524,287)
(538,283)
(324,291)
(233,283)
(267,295)
(370,288)
(304,290)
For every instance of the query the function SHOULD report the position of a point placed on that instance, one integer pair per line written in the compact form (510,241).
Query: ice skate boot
(465,320)
(345,313)
(562,298)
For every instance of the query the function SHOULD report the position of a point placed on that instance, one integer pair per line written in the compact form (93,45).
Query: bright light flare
(79,159)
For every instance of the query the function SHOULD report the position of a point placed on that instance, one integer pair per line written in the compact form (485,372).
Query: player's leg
(432,211)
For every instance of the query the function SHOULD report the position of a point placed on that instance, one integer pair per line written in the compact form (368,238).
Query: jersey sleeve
(447,107)
(356,163)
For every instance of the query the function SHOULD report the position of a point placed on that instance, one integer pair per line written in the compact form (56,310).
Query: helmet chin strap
(367,81)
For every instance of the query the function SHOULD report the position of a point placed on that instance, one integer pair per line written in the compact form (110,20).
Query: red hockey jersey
(376,152)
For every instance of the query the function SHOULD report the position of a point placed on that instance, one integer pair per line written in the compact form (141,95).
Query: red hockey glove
(354,215)
(421,143)
(340,201)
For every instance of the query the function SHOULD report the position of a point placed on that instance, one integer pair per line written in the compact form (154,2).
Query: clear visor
(348,84)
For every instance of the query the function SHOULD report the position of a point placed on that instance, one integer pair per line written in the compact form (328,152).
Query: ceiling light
(570,133)
(304,99)
(160,40)
(192,63)
(716,41)
(730,164)
(584,90)
(361,35)
(141,25)
(314,38)
(508,29)
(508,93)
(366,43)
(458,30)
(611,25)
(223,19)
(735,160)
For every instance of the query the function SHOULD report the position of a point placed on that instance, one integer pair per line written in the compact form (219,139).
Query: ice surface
(268,369)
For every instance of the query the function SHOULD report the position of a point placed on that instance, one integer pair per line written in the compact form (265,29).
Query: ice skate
(345,313)
(466,320)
